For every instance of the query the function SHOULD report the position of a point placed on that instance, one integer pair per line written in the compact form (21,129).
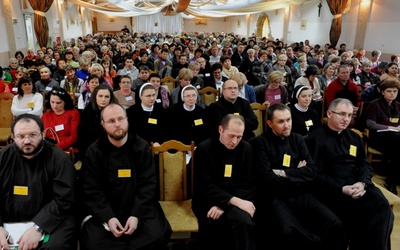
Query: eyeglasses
(114,121)
(343,114)
(59,92)
(31,136)
(231,88)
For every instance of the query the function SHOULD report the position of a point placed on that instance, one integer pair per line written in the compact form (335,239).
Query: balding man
(119,187)
(231,103)
(223,189)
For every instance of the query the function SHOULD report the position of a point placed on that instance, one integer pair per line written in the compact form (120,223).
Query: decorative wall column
(10,26)
(286,17)
(362,20)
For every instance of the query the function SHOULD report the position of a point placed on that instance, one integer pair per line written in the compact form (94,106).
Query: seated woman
(84,98)
(146,118)
(72,84)
(13,86)
(227,69)
(124,95)
(63,118)
(327,76)
(304,119)
(274,92)
(12,68)
(187,121)
(384,114)
(109,71)
(28,101)
(245,91)
(310,79)
(46,83)
(391,72)
(97,69)
(90,127)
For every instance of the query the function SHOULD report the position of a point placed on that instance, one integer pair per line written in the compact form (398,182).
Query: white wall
(382,29)
(104,24)
(213,25)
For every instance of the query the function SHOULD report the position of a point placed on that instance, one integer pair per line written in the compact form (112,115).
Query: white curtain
(158,23)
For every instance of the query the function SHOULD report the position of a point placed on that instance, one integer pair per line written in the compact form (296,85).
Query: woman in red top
(62,117)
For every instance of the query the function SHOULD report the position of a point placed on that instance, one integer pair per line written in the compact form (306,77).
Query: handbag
(53,135)
(55,139)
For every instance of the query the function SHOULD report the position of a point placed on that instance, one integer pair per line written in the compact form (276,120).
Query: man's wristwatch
(38,229)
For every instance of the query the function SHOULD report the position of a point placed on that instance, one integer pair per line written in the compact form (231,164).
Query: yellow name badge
(394,120)
(30,104)
(236,113)
(20,190)
(353,150)
(198,122)
(228,171)
(152,121)
(124,173)
(286,160)
(309,123)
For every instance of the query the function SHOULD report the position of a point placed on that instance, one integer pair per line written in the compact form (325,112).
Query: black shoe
(391,188)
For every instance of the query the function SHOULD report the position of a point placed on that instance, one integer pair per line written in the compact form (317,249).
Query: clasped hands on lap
(118,230)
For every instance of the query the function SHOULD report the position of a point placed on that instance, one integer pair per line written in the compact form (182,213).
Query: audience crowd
(68,85)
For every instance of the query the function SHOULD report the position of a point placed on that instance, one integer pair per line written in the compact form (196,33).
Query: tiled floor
(395,237)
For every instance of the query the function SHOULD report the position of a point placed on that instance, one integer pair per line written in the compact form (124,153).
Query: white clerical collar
(147,109)
(189,108)
(300,108)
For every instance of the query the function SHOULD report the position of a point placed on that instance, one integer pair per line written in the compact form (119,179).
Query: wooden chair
(170,82)
(373,154)
(324,118)
(259,111)
(176,186)
(209,95)
(6,117)
(392,198)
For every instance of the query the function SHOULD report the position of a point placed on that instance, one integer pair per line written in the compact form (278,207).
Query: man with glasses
(119,189)
(37,190)
(231,103)
(344,183)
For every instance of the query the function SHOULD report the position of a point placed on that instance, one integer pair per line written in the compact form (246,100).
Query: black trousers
(151,234)
(298,222)
(235,230)
(368,221)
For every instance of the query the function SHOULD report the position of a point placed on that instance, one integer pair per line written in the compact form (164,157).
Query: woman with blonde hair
(245,91)
(274,92)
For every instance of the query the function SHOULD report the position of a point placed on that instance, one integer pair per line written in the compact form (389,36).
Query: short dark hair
(215,67)
(27,118)
(154,75)
(277,106)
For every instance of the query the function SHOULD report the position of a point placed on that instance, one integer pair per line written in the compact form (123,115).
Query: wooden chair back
(170,82)
(6,117)
(259,111)
(209,95)
(176,181)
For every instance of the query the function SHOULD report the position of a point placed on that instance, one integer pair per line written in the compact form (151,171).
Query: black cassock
(39,190)
(121,182)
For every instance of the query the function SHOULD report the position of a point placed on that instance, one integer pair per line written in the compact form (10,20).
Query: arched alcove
(263,26)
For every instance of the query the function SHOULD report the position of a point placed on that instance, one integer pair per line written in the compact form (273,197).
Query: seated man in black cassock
(344,180)
(231,103)
(286,211)
(119,189)
(223,189)
(37,190)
